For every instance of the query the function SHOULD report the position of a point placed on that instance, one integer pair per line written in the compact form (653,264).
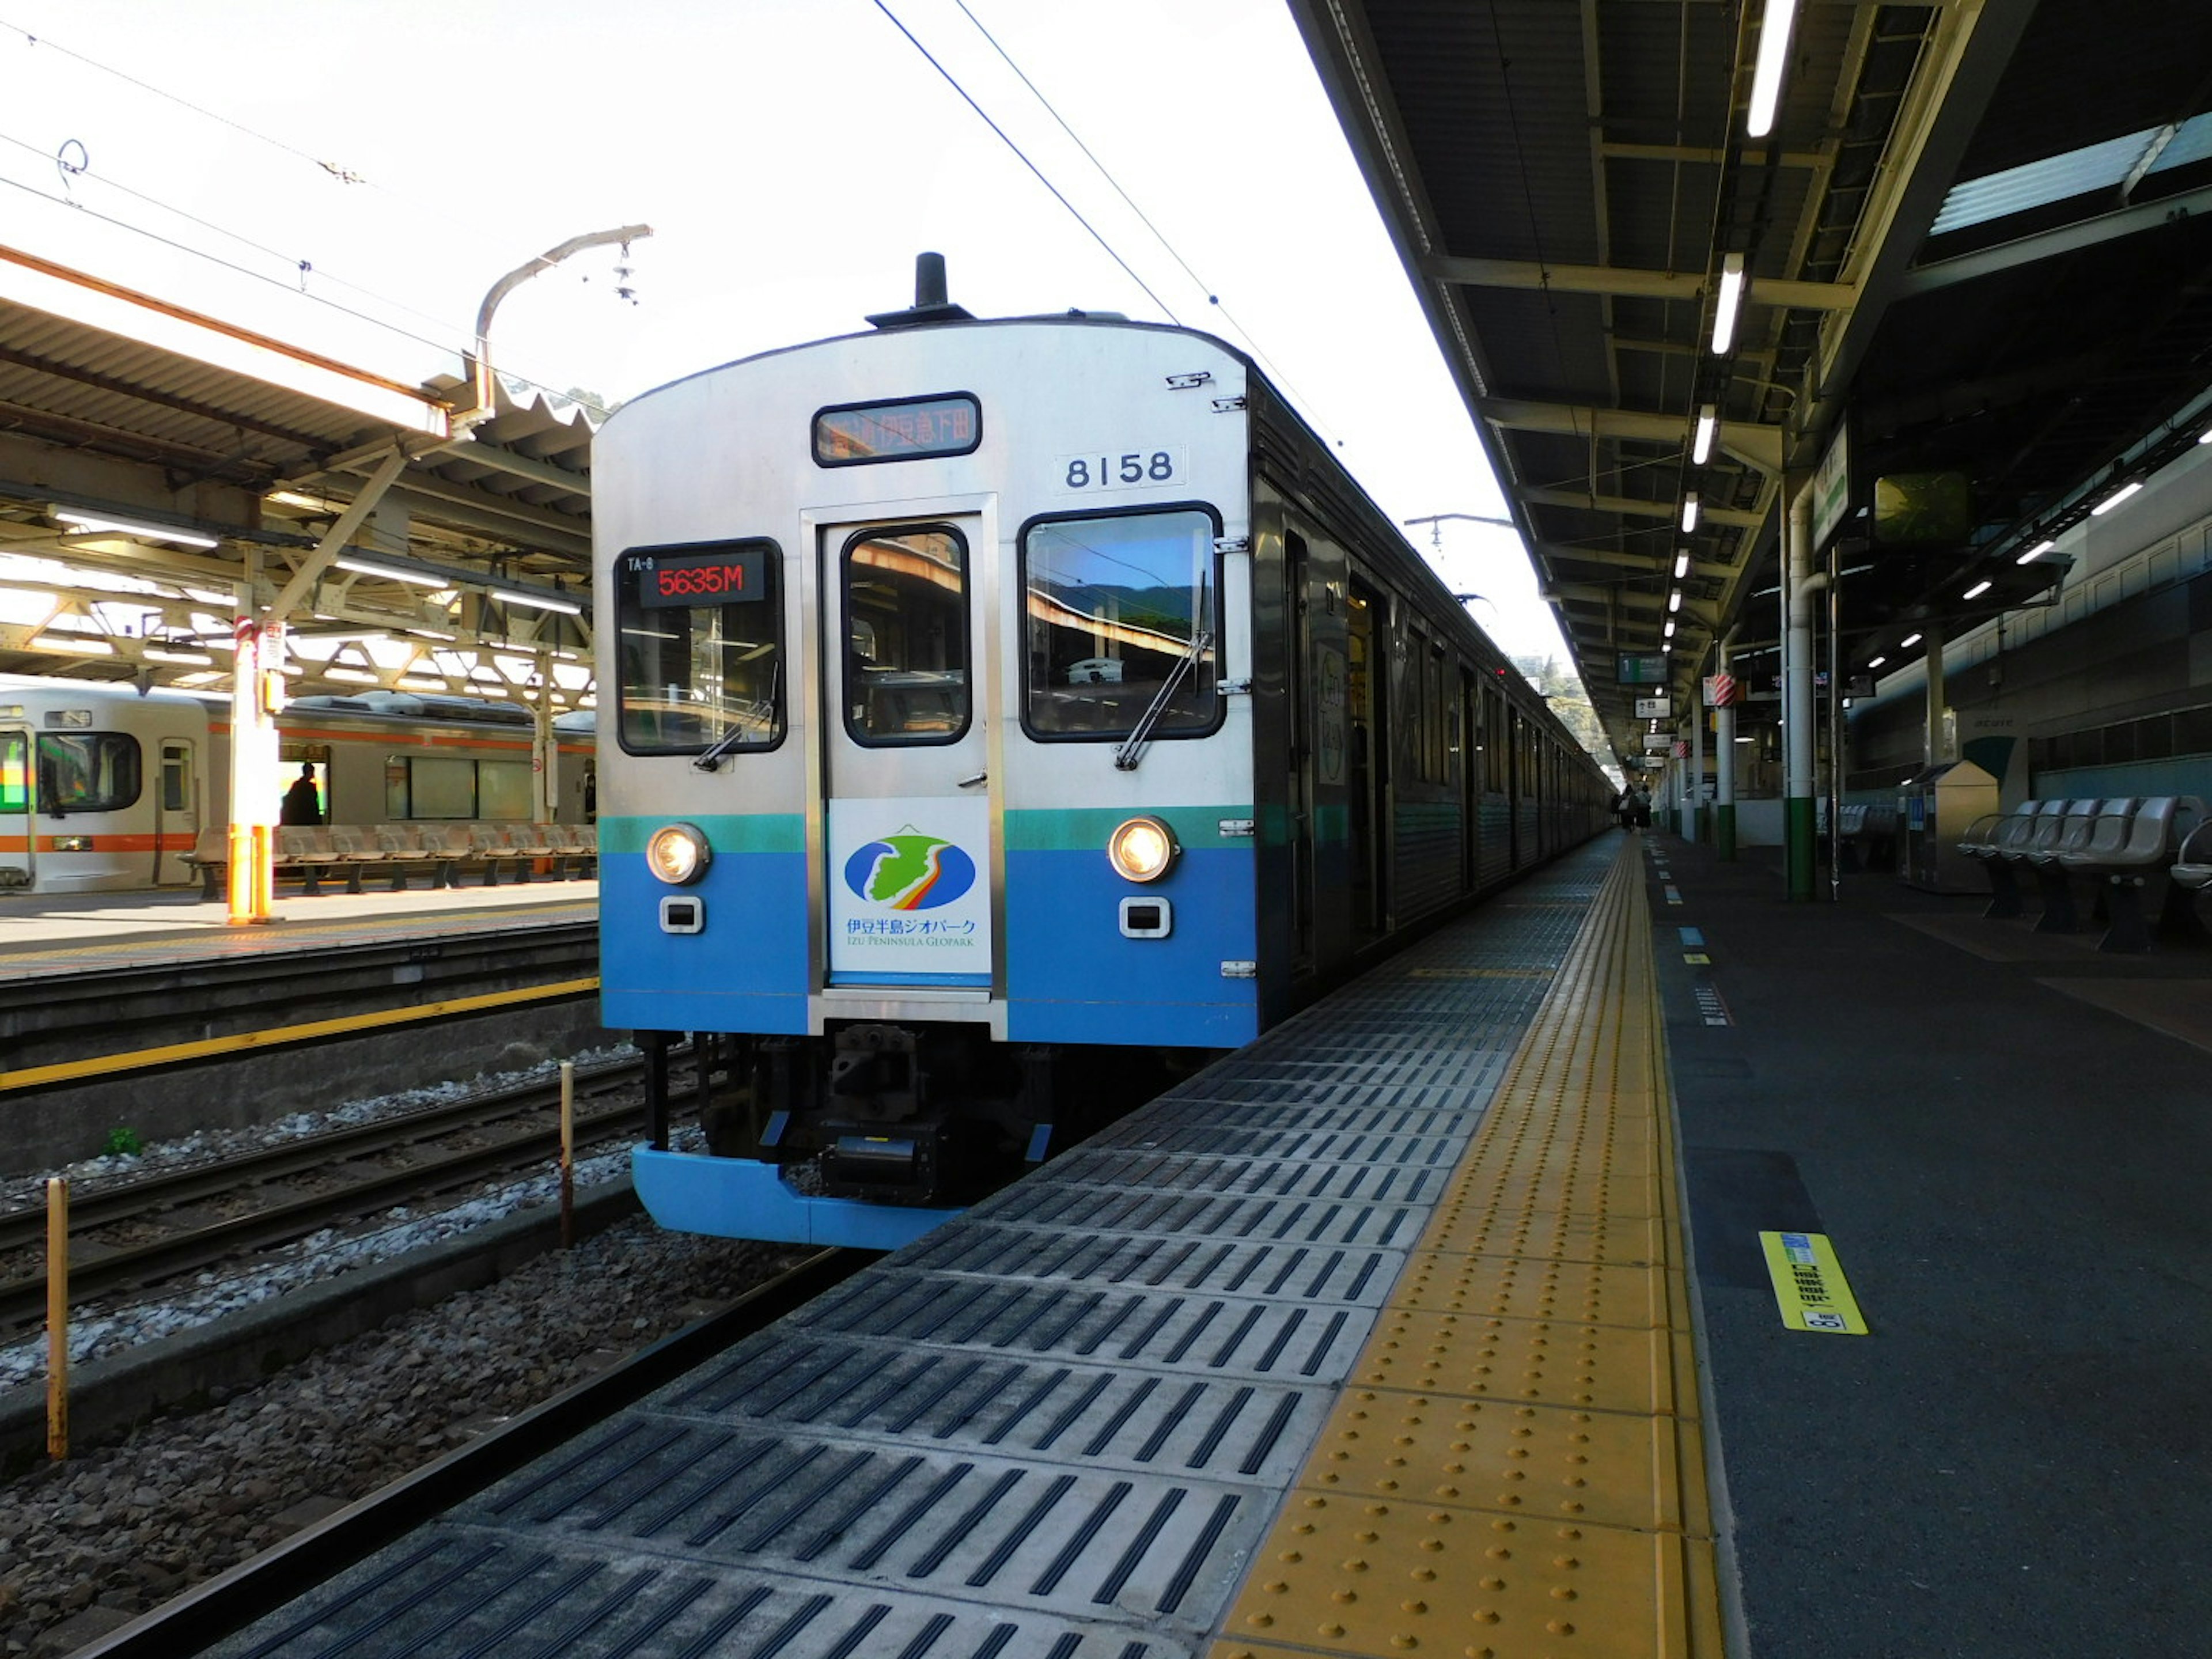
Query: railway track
(194,1621)
(140,1235)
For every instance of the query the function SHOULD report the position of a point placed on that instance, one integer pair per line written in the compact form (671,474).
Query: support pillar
(544,748)
(255,788)
(1700,821)
(1798,824)
(1724,770)
(1938,743)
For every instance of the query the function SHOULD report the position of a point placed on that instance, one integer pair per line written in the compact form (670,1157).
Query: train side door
(16,840)
(176,812)
(905,763)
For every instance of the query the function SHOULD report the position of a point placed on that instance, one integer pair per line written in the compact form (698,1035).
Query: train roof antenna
(930,305)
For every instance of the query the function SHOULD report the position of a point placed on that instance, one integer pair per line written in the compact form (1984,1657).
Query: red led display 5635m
(725,576)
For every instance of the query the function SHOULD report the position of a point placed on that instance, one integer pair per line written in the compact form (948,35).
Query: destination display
(906,429)
(725,575)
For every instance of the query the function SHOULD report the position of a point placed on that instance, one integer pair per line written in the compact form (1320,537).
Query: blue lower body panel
(1073,975)
(743,1198)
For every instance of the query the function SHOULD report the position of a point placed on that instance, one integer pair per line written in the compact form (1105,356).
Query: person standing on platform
(303,802)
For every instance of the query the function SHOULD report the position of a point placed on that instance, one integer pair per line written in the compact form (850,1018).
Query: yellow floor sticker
(1809,1286)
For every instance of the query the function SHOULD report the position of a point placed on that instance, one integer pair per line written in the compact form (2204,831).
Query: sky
(354,175)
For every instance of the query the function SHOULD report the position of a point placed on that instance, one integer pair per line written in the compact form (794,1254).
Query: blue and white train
(996,717)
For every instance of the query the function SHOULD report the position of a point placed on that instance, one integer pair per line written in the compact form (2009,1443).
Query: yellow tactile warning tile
(1448,1281)
(1547,1234)
(1515,1470)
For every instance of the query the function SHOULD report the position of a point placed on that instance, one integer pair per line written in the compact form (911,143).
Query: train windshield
(702,651)
(1117,604)
(88,772)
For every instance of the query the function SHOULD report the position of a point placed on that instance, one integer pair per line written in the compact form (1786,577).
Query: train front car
(102,789)
(926,792)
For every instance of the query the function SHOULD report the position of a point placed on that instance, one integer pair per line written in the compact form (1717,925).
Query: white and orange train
(104,789)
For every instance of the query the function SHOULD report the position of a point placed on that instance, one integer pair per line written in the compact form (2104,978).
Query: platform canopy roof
(1974,243)
(161,468)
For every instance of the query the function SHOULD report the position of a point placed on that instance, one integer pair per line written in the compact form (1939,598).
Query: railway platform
(148,1012)
(2004,1135)
(1440,1321)
(45,935)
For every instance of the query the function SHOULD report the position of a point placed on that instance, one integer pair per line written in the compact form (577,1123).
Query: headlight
(677,853)
(1142,850)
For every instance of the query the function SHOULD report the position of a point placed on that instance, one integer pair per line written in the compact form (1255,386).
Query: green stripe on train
(1085,830)
(727,832)
(1046,830)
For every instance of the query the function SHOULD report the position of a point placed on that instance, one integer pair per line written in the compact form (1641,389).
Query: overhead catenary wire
(1097,235)
(442,347)
(1213,300)
(1158,236)
(298,268)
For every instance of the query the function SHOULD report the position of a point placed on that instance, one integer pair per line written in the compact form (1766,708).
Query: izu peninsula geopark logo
(909,871)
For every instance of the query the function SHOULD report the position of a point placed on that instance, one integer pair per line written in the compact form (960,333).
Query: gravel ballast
(87,1544)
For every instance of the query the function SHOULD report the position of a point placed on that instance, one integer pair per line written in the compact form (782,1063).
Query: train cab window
(906,635)
(701,652)
(15,772)
(88,772)
(1121,609)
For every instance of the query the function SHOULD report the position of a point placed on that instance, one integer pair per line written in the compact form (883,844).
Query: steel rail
(106,1206)
(22,1299)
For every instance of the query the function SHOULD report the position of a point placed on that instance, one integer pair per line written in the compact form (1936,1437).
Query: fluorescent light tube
(160,532)
(536,601)
(1768,67)
(1729,302)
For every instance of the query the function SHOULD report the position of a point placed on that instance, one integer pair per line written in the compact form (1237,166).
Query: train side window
(701,652)
(906,635)
(15,772)
(440,787)
(89,771)
(1114,605)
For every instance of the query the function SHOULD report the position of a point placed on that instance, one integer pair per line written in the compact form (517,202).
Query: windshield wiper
(731,738)
(1126,757)
(722,746)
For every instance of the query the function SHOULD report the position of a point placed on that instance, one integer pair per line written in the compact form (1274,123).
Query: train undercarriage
(918,1114)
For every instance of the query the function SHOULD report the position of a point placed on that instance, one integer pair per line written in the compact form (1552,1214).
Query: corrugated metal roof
(115,402)
(1563,180)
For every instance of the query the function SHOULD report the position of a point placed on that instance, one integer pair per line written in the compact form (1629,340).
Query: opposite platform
(43,934)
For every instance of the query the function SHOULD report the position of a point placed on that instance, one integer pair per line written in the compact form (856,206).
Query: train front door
(905,763)
(15,837)
(177,813)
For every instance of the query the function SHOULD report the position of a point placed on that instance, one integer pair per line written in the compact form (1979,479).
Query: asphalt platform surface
(2007,1137)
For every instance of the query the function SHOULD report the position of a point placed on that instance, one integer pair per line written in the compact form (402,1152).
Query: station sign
(1654,708)
(1635,668)
(1658,742)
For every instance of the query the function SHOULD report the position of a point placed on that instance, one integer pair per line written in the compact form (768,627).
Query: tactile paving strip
(1518,1468)
(1058,1427)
